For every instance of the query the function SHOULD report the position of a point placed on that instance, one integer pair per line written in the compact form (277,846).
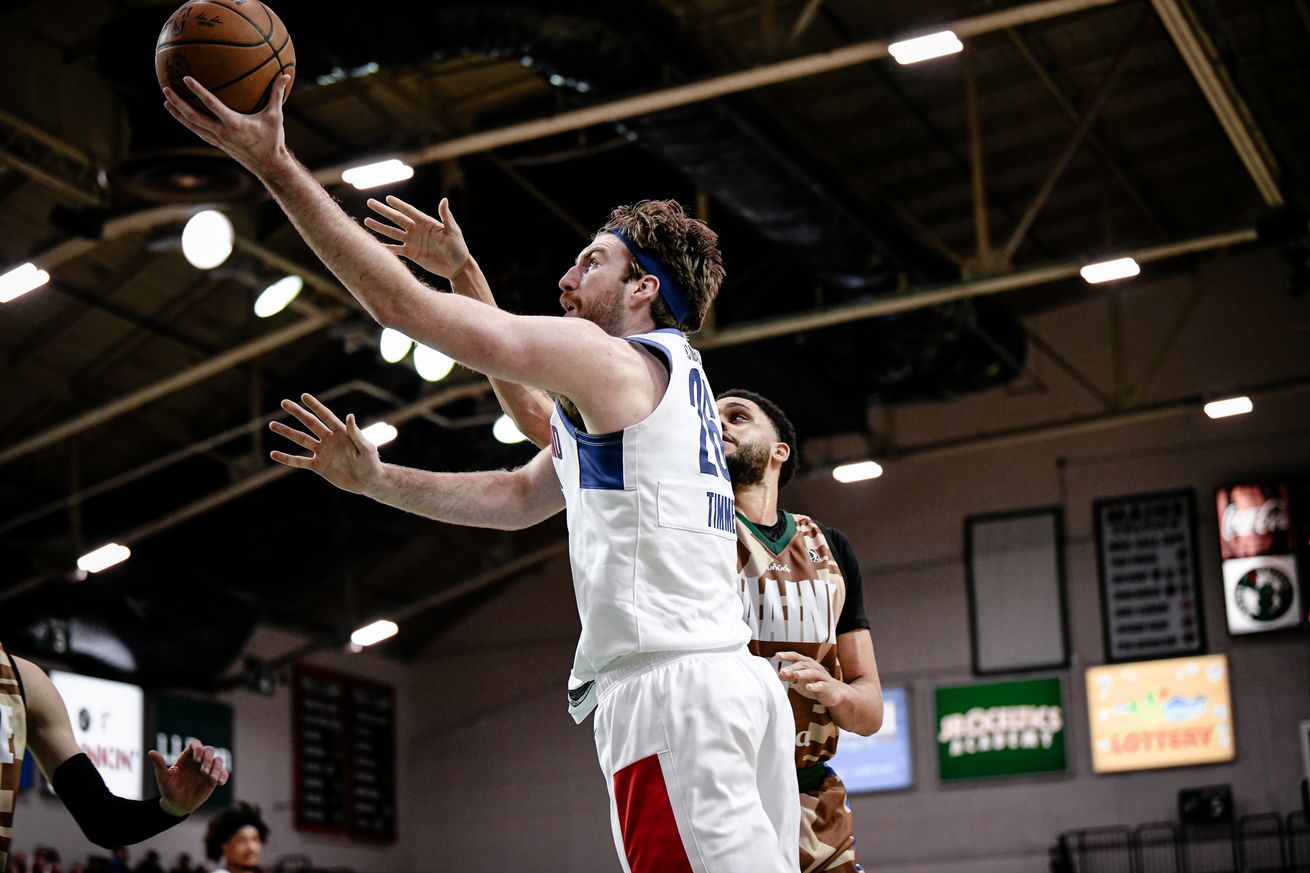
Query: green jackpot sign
(178,720)
(1001,729)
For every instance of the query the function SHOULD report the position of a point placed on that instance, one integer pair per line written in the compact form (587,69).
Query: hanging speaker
(1209,805)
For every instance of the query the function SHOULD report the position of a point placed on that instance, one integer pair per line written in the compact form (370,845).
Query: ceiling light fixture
(379,173)
(394,345)
(103,558)
(431,364)
(925,48)
(1229,406)
(506,431)
(857,472)
(20,280)
(207,239)
(379,433)
(275,297)
(1108,271)
(380,630)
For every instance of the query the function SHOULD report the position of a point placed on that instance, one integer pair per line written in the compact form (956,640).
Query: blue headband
(670,290)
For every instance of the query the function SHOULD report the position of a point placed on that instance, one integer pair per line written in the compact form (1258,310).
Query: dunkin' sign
(1261,590)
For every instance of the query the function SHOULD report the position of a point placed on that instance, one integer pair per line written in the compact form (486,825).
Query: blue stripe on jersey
(654,346)
(600,461)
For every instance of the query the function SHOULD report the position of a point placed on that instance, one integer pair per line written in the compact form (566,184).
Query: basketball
(235,48)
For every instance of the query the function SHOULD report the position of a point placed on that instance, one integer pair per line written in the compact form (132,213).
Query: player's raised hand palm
(339,451)
(256,141)
(435,244)
(192,778)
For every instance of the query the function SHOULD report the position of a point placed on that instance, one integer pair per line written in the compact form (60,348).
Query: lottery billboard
(1155,714)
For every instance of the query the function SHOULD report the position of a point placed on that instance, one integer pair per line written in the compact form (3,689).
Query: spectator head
(236,835)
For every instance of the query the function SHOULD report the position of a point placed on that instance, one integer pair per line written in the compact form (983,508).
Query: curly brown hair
(225,825)
(684,245)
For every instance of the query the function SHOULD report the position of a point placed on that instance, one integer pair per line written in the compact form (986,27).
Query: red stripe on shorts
(650,833)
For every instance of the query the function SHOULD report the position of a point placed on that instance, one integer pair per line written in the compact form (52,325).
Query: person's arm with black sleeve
(108,820)
(856,700)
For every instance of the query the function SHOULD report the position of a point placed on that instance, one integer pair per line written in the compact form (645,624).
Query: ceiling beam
(717,86)
(1202,58)
(975,287)
(176,382)
(1087,424)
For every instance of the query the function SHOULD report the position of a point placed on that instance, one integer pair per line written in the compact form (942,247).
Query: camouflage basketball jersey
(13,743)
(792,592)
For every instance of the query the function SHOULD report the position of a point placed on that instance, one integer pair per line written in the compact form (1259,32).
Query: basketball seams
(264,37)
(247,74)
(169,45)
(221,55)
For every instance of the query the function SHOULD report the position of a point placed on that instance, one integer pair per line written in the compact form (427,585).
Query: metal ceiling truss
(1207,67)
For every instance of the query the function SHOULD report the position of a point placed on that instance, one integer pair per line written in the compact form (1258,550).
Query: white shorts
(698,749)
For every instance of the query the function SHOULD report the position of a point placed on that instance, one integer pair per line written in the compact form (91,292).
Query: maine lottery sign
(1001,729)
(1157,714)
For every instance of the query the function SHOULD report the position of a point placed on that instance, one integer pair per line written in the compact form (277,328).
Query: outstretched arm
(106,819)
(340,453)
(543,351)
(438,246)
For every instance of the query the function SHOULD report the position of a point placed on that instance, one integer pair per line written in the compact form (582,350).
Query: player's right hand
(435,245)
(257,141)
(339,451)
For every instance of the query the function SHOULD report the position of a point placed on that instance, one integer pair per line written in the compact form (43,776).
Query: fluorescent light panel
(394,345)
(857,472)
(505,431)
(1229,406)
(924,48)
(20,280)
(379,433)
(103,558)
(277,296)
(1108,271)
(431,364)
(207,239)
(380,173)
(376,632)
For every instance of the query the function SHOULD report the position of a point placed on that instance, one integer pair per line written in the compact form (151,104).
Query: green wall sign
(178,720)
(1000,729)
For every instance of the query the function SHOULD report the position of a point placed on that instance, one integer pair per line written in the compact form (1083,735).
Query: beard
(607,314)
(746,466)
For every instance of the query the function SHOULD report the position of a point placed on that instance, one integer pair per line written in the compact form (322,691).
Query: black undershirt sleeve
(108,820)
(852,612)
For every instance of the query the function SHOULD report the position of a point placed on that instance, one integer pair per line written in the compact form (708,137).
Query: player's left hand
(811,679)
(436,245)
(192,778)
(257,141)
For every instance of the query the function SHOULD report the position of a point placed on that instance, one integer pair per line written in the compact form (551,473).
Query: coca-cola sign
(1253,521)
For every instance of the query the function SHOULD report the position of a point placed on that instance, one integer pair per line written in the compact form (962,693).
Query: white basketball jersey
(652,527)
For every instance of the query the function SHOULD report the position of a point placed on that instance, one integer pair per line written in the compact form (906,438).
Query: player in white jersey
(693,733)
